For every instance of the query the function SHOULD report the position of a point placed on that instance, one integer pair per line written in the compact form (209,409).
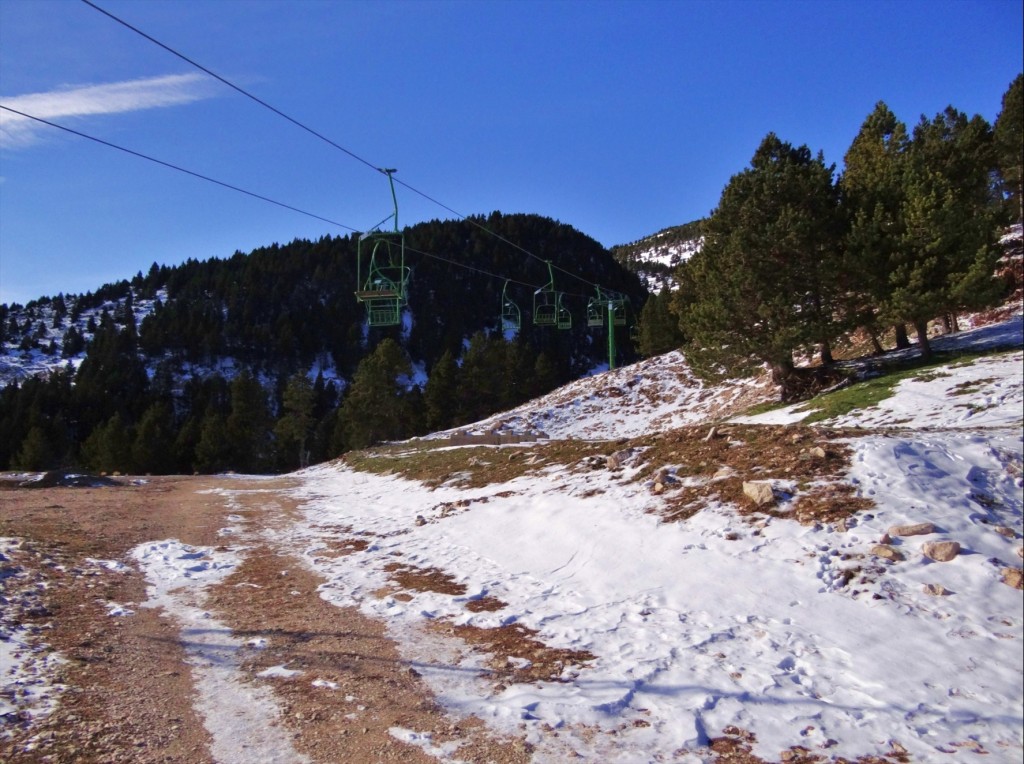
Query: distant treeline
(154,397)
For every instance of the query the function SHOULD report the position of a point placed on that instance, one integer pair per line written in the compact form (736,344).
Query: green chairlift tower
(607,307)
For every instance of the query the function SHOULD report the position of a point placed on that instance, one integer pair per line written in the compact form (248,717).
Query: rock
(722,473)
(918,529)
(759,491)
(710,435)
(421,520)
(1020,552)
(887,552)
(936,590)
(1012,577)
(846,524)
(1009,533)
(659,488)
(818,452)
(941,551)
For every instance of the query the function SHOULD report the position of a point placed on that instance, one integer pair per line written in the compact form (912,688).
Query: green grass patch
(870,392)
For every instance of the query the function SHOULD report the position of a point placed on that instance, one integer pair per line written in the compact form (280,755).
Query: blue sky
(618,118)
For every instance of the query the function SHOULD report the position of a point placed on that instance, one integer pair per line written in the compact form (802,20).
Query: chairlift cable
(207,178)
(327,140)
(252,194)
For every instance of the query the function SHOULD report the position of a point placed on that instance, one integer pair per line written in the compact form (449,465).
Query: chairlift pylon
(606,301)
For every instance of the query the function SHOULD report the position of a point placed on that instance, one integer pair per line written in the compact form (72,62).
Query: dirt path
(129,692)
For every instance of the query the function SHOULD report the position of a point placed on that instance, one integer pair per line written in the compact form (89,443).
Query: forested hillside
(264,361)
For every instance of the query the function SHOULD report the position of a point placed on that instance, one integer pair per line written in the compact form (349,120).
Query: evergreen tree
(873,195)
(296,425)
(375,406)
(213,451)
(440,393)
(659,327)
(765,282)
(36,452)
(108,447)
(248,425)
(153,446)
(950,219)
(1009,146)
(481,378)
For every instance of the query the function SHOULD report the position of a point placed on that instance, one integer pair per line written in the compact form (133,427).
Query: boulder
(1012,577)
(941,551)
(918,529)
(759,491)
(887,552)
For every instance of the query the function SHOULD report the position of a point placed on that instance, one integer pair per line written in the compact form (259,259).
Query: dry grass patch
(699,465)
(424,579)
(517,656)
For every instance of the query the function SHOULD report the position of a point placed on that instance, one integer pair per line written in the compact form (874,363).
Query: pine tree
(213,451)
(1009,146)
(248,425)
(481,378)
(36,452)
(440,392)
(766,280)
(296,424)
(873,194)
(373,410)
(153,446)
(659,327)
(950,219)
(108,447)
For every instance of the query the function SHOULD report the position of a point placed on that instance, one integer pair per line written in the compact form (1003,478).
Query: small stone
(917,529)
(421,520)
(1009,533)
(759,491)
(710,435)
(818,452)
(941,551)
(936,590)
(887,552)
(1013,577)
(659,488)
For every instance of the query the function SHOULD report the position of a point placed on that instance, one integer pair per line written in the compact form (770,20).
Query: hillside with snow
(608,591)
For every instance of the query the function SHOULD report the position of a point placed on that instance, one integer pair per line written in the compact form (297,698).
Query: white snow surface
(694,626)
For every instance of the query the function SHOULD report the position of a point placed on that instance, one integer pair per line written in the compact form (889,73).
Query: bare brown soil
(129,688)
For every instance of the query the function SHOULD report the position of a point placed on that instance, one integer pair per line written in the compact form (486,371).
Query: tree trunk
(878,349)
(921,327)
(902,340)
(826,354)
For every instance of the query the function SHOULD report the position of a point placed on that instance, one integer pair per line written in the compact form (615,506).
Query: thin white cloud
(80,101)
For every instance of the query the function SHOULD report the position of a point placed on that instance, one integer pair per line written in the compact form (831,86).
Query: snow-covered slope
(658,394)
(844,638)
